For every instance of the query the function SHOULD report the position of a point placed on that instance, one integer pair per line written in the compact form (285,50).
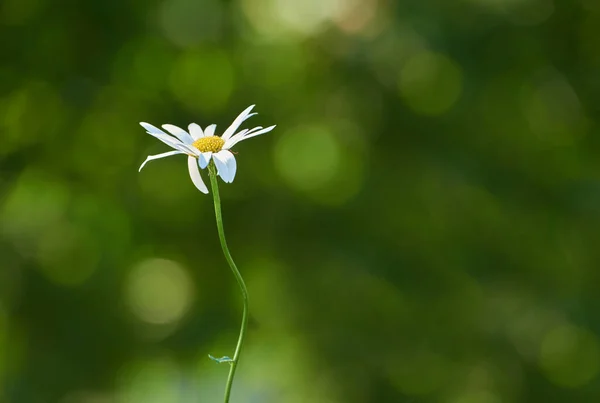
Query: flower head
(203,145)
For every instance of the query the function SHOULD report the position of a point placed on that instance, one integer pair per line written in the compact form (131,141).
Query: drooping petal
(230,162)
(252,134)
(195,175)
(165,138)
(158,156)
(178,132)
(195,131)
(204,159)
(221,163)
(210,130)
(237,122)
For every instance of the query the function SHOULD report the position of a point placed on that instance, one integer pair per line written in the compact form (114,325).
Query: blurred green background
(421,226)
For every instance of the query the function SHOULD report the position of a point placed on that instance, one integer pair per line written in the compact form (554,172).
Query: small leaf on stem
(222,359)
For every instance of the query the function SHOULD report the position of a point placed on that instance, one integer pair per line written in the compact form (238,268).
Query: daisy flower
(203,145)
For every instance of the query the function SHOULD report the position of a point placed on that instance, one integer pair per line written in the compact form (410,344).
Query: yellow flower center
(206,144)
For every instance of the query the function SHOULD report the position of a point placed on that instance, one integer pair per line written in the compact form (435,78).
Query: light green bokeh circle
(202,80)
(430,83)
(159,291)
(149,381)
(308,158)
(570,356)
(324,164)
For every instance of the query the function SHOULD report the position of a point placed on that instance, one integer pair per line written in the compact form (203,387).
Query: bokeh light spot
(281,19)
(104,136)
(305,16)
(570,356)
(326,167)
(31,114)
(308,158)
(553,110)
(284,364)
(152,381)
(430,83)
(202,81)
(33,206)
(159,291)
(284,70)
(354,16)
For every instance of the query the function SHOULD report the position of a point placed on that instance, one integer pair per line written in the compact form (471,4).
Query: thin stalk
(236,356)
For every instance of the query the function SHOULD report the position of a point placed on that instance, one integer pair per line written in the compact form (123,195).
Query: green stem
(236,356)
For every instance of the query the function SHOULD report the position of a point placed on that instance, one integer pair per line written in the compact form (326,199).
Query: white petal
(231,163)
(232,140)
(195,131)
(178,132)
(237,122)
(195,175)
(187,149)
(157,156)
(227,158)
(259,132)
(151,129)
(252,134)
(165,138)
(240,135)
(221,163)
(210,130)
(204,159)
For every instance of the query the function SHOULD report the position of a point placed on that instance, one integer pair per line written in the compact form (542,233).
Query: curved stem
(236,356)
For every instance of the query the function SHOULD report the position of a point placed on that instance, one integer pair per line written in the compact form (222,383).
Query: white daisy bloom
(202,146)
